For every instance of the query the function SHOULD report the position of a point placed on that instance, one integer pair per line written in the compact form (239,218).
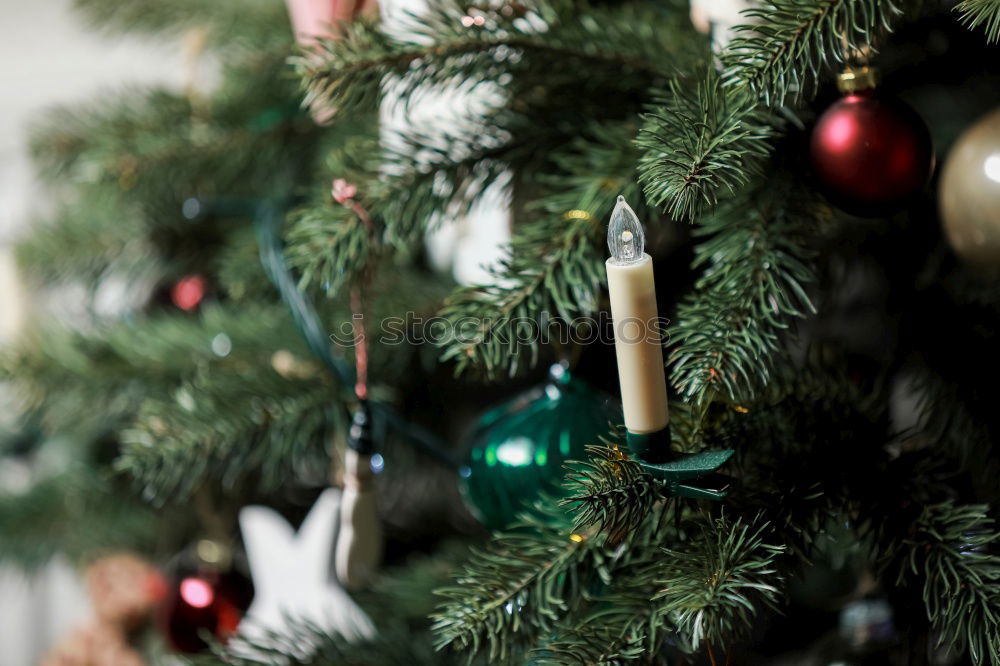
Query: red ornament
(189,291)
(204,598)
(871,154)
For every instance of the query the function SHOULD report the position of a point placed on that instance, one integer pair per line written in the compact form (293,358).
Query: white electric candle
(635,319)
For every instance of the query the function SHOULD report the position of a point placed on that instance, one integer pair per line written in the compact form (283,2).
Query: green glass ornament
(518,449)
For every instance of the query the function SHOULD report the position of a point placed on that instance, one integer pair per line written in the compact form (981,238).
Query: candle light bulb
(626,240)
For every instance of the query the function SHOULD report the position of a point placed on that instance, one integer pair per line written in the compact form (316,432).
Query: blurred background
(186,214)
(52,57)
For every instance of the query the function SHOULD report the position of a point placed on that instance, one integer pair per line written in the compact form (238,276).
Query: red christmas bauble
(871,154)
(189,291)
(204,599)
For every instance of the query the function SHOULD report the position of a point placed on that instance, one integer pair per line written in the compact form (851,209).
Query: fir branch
(620,624)
(99,234)
(77,513)
(711,588)
(614,634)
(555,265)
(984,13)
(700,142)
(239,271)
(329,245)
(545,274)
(432,175)
(609,491)
(757,265)
(440,51)
(505,596)
(951,552)
(786,43)
(253,19)
(157,150)
(229,425)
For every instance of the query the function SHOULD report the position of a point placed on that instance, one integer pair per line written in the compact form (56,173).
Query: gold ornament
(969,194)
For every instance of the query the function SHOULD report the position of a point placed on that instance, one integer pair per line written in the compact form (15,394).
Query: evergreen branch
(65,373)
(621,624)
(613,635)
(99,235)
(439,51)
(329,245)
(698,143)
(431,175)
(228,426)
(952,553)
(984,13)
(545,274)
(757,265)
(505,596)
(555,265)
(711,588)
(707,590)
(251,20)
(609,491)
(786,43)
(239,272)
(157,149)
(77,513)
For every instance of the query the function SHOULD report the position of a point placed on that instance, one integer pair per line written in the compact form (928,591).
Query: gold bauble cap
(854,79)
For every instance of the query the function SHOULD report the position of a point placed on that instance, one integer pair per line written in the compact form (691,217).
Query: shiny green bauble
(518,449)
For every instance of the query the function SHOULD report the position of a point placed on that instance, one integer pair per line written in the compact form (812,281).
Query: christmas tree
(797,465)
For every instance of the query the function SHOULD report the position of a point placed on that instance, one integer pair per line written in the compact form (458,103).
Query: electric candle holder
(639,348)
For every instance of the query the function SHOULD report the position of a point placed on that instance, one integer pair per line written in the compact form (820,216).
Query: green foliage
(984,13)
(756,261)
(329,245)
(442,52)
(609,491)
(951,553)
(79,513)
(786,44)
(700,141)
(192,402)
(517,588)
(156,149)
(98,235)
(220,426)
(556,274)
(254,20)
(432,176)
(707,588)
(555,265)
(615,633)
(711,589)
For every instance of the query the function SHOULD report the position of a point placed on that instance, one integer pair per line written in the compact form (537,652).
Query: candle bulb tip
(625,236)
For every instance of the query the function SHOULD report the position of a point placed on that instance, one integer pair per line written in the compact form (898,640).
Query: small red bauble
(871,154)
(189,291)
(204,598)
